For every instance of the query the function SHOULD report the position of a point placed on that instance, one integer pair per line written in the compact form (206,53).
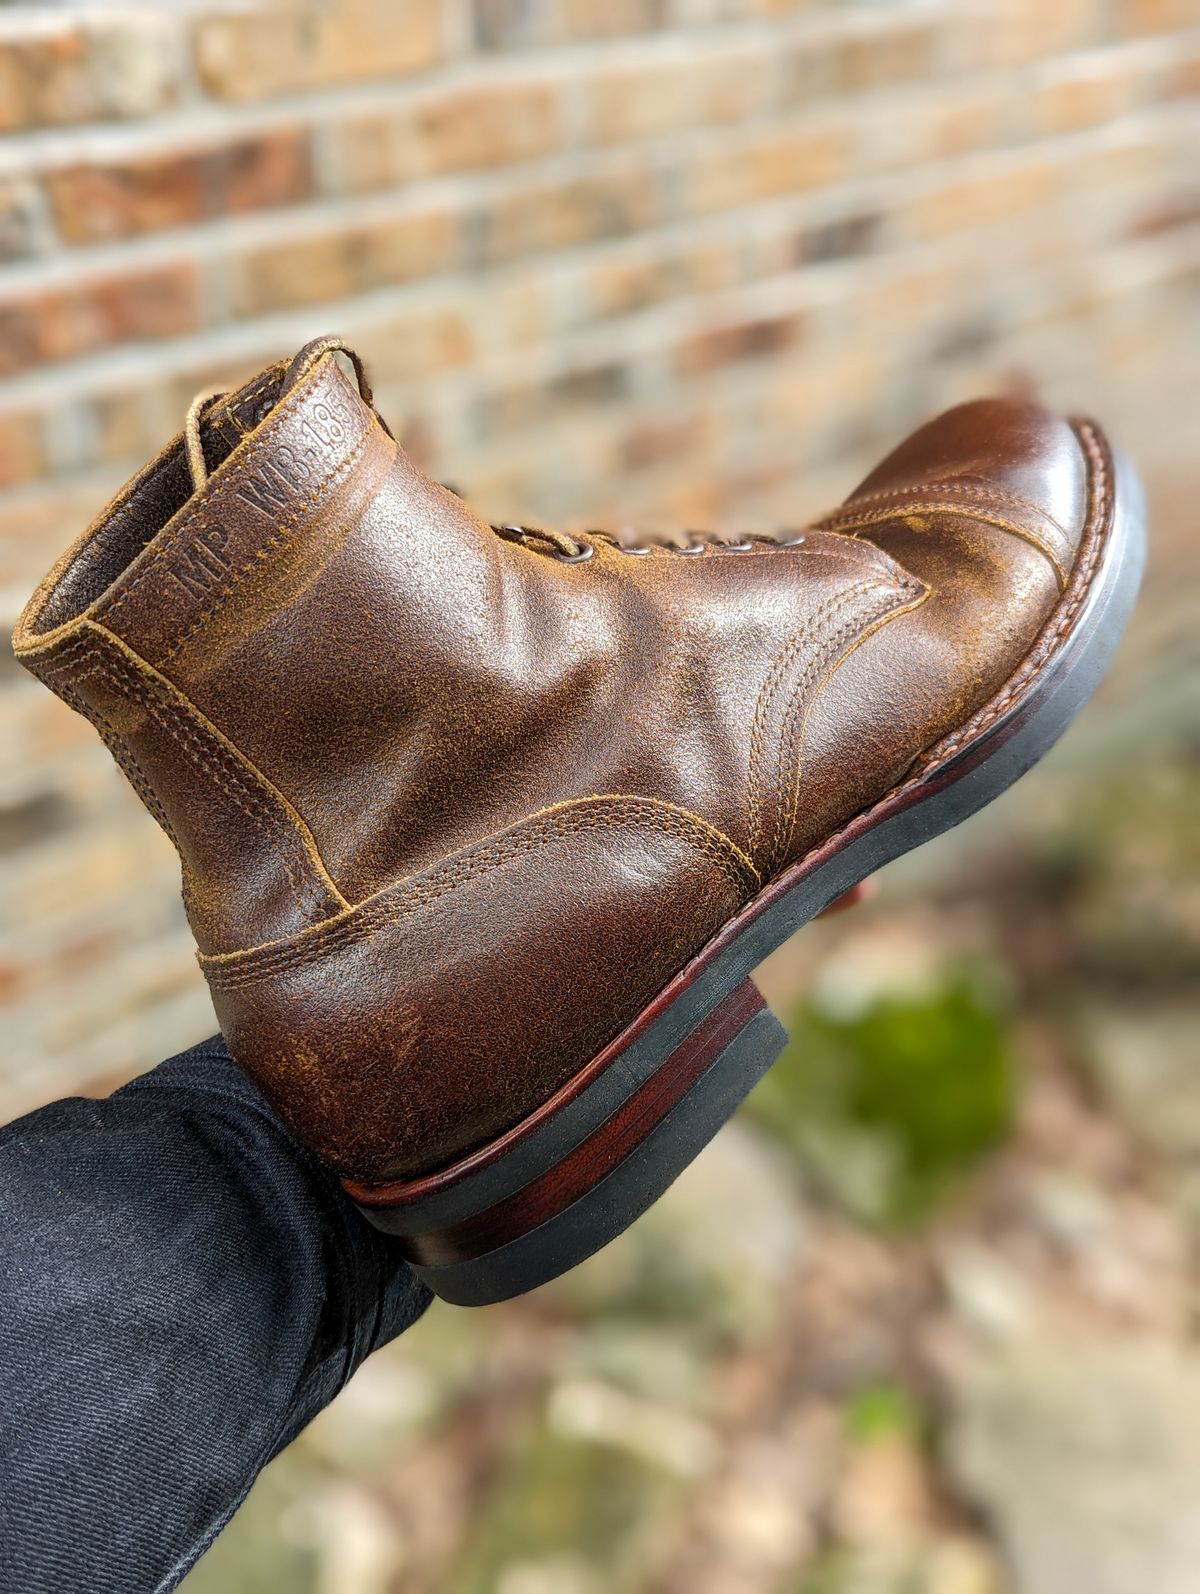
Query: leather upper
(450,807)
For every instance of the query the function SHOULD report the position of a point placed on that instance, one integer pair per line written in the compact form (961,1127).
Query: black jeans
(182,1288)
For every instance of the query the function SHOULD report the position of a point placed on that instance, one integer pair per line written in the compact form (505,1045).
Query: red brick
(562,215)
(754,339)
(258,172)
(1183,74)
(161,302)
(44,79)
(619,287)
(1153,16)
(632,102)
(22,448)
(985,198)
(63,323)
(293,273)
(882,56)
(120,429)
(65,74)
(319,268)
(515,24)
(92,203)
(1078,99)
(468,129)
(420,344)
(16,220)
(269,51)
(789,161)
(660,441)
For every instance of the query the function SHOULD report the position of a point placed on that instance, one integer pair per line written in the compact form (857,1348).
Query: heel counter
(440,1012)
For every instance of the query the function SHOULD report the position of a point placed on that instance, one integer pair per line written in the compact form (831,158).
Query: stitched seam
(229,779)
(922,507)
(1099,498)
(797,729)
(549,828)
(400,902)
(275,540)
(1100,490)
(971,486)
(200,520)
(791,724)
(188,521)
(770,686)
(128,764)
(244,786)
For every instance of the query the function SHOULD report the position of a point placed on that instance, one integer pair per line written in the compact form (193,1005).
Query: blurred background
(923,1319)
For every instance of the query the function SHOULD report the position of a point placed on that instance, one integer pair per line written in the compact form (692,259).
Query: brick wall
(684,259)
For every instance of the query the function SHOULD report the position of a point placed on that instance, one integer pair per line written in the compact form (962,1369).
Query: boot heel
(532,1204)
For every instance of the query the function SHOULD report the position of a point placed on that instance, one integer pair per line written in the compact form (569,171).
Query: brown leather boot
(484,828)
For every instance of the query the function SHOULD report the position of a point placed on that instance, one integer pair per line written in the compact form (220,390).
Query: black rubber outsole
(980,771)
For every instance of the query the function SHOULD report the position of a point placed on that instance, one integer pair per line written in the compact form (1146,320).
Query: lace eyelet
(792,542)
(690,547)
(737,547)
(635,550)
(586,550)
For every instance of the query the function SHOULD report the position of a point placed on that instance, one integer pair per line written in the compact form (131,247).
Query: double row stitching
(973,486)
(186,521)
(219,765)
(397,902)
(1099,499)
(244,787)
(132,770)
(758,729)
(275,540)
(793,724)
(966,511)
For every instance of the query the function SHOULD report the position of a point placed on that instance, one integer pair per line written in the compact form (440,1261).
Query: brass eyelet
(586,550)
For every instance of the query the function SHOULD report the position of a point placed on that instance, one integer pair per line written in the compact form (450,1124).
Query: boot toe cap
(1013,467)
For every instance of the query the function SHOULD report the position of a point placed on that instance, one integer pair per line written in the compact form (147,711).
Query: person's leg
(182,1287)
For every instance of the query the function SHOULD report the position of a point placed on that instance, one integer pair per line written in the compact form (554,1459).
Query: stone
(1086,1460)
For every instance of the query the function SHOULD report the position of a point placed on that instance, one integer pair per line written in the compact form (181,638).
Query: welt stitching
(794,725)
(276,540)
(550,828)
(769,687)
